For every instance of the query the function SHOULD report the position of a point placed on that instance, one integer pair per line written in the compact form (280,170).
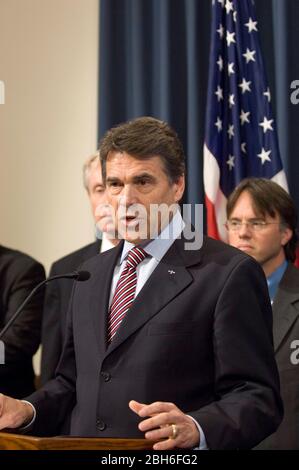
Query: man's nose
(244,230)
(128,196)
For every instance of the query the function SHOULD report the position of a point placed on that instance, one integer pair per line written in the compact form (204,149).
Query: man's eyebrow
(251,219)
(144,176)
(135,179)
(112,179)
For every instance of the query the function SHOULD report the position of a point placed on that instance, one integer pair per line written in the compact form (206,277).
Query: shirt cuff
(23,428)
(202,437)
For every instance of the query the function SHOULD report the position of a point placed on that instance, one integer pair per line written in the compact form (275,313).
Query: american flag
(241,138)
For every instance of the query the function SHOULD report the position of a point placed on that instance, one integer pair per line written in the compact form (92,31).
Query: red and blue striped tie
(125,291)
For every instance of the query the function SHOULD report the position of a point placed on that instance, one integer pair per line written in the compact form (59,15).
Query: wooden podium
(10,441)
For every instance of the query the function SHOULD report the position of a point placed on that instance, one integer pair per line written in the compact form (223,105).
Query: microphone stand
(75,275)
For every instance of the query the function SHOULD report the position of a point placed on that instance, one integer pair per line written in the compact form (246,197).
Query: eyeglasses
(254,225)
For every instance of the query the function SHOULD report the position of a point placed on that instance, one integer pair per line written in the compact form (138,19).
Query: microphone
(77,275)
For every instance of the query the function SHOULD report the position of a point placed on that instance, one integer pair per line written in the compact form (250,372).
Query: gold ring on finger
(174,431)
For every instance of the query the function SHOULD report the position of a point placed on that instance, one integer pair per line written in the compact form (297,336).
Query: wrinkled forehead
(94,173)
(122,161)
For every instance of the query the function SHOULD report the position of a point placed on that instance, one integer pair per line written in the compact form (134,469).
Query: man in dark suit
(262,222)
(190,361)
(58,292)
(19,274)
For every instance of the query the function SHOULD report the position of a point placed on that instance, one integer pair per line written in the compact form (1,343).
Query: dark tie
(125,290)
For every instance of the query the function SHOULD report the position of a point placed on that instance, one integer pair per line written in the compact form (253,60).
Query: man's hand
(14,413)
(168,424)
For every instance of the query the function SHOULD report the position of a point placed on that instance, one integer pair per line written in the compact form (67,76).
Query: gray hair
(88,166)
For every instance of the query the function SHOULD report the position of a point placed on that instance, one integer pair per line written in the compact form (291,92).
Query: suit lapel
(100,293)
(172,272)
(284,311)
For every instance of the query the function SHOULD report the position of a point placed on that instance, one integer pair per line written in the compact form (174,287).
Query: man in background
(262,222)
(19,274)
(58,292)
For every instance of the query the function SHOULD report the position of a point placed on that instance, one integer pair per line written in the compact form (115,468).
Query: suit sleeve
(55,400)
(23,337)
(51,329)
(247,405)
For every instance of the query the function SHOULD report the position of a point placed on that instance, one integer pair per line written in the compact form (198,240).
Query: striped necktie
(125,290)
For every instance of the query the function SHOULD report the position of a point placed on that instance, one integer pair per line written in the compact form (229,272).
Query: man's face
(133,187)
(265,245)
(96,189)
(98,200)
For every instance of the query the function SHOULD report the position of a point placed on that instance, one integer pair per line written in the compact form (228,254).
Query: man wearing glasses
(262,222)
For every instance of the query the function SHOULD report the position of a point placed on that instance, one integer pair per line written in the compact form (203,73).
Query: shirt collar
(106,243)
(159,246)
(274,279)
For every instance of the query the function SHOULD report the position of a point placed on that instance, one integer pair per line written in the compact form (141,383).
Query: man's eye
(234,223)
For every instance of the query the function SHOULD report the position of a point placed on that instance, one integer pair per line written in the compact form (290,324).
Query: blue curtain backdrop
(154,61)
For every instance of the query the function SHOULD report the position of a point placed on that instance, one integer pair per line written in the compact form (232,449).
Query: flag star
(268,94)
(219,93)
(220,31)
(230,162)
(251,25)
(221,2)
(245,86)
(230,68)
(249,55)
(230,38)
(244,117)
(229,6)
(220,63)
(265,156)
(231,100)
(266,124)
(235,16)
(243,147)
(218,124)
(230,131)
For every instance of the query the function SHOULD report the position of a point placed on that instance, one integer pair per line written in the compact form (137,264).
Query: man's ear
(179,188)
(286,235)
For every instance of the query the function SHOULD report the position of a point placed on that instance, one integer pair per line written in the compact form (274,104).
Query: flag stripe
(241,138)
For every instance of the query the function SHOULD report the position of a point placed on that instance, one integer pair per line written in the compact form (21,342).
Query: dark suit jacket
(286,330)
(58,294)
(19,274)
(200,337)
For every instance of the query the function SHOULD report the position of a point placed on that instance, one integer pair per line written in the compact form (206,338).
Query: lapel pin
(170,271)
